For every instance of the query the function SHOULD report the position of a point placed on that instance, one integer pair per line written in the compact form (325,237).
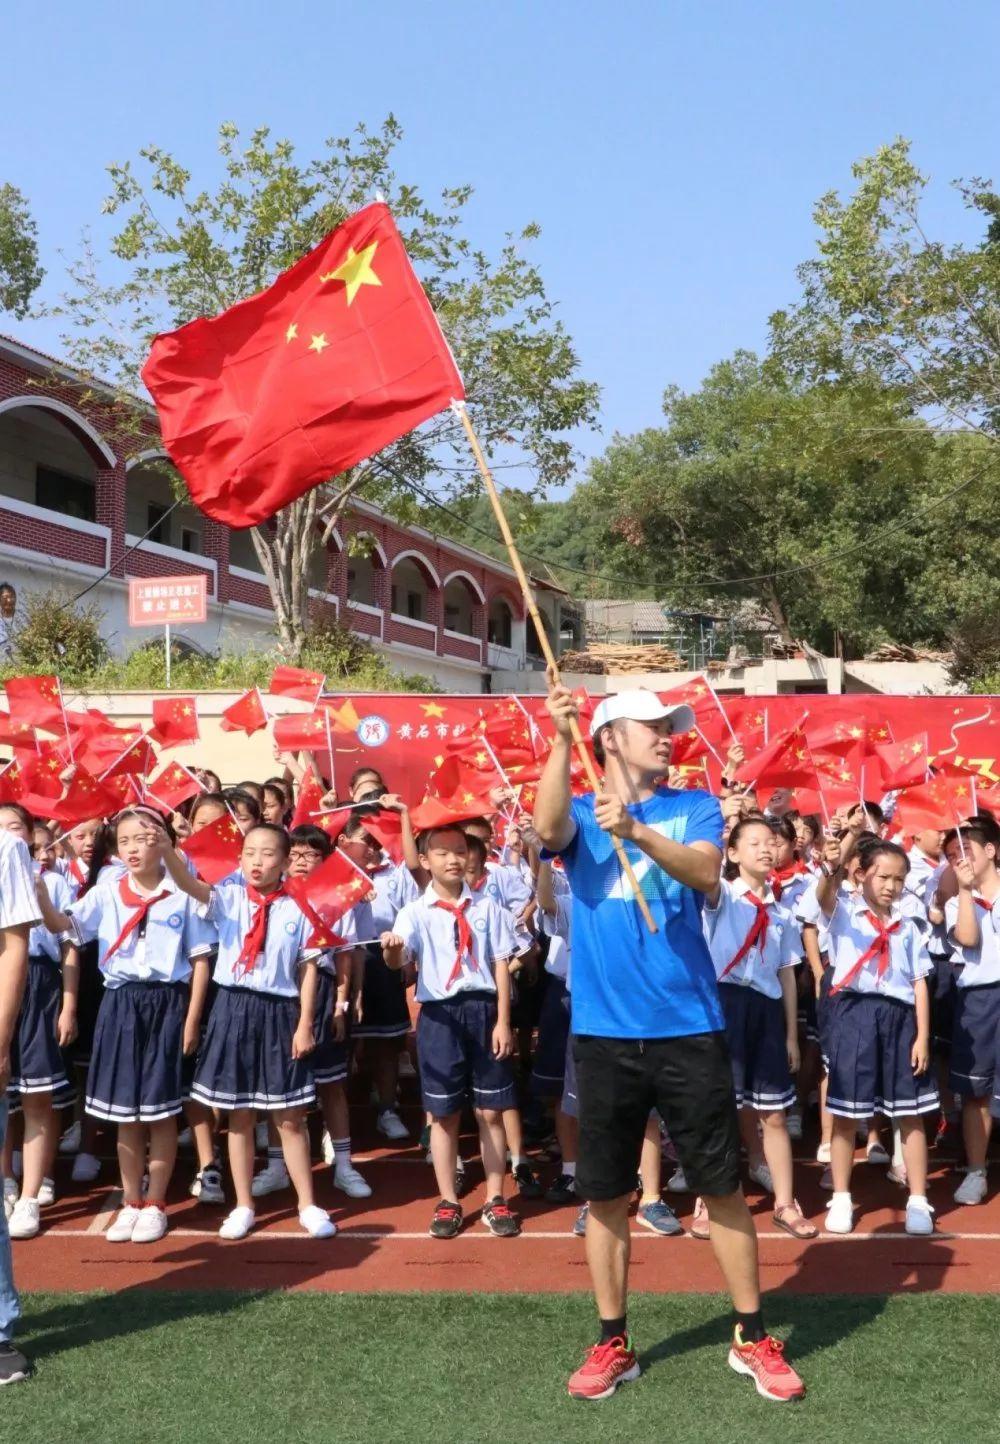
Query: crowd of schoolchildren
(859,974)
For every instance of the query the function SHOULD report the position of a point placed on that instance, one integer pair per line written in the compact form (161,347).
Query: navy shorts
(871,1038)
(455,1054)
(943,1004)
(549,1067)
(328,1060)
(974,1041)
(808,1023)
(384,1012)
(755,1033)
(823,1006)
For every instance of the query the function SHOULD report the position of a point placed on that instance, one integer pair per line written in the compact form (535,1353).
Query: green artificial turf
(162,1366)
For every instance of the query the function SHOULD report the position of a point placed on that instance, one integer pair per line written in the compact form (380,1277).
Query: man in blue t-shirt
(648,1030)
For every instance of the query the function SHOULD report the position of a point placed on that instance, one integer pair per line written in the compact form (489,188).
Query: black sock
(751,1327)
(614,1329)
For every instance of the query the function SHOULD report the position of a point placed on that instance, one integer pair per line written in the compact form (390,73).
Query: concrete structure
(74,504)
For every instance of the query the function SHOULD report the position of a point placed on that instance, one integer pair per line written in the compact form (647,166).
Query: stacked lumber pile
(608,659)
(899,652)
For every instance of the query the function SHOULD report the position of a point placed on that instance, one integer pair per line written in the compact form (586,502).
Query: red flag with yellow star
(175,721)
(342,355)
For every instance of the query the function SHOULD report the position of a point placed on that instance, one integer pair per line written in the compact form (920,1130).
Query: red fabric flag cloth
(902,764)
(387,828)
(41,770)
(14,733)
(339,357)
(309,809)
(940,804)
(11,786)
(214,849)
(135,761)
(302,732)
(296,682)
(172,785)
(784,762)
(36,701)
(84,798)
(175,721)
(336,886)
(246,714)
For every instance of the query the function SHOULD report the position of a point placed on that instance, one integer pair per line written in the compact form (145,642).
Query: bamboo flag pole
(552,665)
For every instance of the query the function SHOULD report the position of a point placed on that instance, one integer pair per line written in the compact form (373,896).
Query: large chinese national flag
(339,357)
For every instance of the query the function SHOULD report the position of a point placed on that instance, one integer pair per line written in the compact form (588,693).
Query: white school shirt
(394,888)
(174,934)
(506,886)
(346,928)
(850,933)
(922,868)
(276,970)
(793,890)
(978,965)
(42,943)
(726,926)
(558,926)
(18,900)
(429,936)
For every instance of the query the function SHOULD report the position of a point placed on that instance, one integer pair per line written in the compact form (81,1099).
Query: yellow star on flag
(319,343)
(292,332)
(355,271)
(432,709)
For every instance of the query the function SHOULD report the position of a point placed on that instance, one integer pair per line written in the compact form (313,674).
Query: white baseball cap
(639,704)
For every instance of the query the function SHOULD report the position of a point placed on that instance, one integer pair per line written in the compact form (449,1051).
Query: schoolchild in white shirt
(754,944)
(254,1055)
(150,942)
(462,945)
(879,1040)
(46,1025)
(972,919)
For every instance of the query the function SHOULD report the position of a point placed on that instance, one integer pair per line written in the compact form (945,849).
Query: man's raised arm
(553,796)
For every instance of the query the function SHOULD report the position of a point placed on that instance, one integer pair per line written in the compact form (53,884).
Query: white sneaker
(150,1225)
(70,1141)
(793,1121)
(840,1214)
(823,1153)
(120,1230)
(919,1216)
(24,1220)
(206,1186)
(326,1144)
(875,1153)
(677,1183)
(47,1192)
(271,1179)
(238,1223)
(85,1168)
(260,1138)
(317,1222)
(391,1125)
(761,1175)
(972,1189)
(347,1178)
(16,1163)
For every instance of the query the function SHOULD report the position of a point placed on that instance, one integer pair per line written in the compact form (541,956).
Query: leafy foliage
(20,273)
(55,637)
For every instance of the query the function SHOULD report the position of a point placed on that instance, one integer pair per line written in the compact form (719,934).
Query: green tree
(182,251)
(806,498)
(20,273)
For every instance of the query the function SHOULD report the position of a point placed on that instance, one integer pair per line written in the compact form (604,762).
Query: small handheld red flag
(36,701)
(172,785)
(245,715)
(215,848)
(296,682)
(175,721)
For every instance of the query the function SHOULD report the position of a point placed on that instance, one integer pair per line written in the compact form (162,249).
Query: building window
(190,540)
(70,495)
(157,525)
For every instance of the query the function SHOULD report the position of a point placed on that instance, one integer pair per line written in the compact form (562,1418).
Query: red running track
(383,1244)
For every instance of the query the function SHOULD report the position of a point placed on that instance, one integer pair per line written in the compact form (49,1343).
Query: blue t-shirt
(627,981)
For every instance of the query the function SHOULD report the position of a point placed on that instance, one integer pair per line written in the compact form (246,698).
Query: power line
(108,570)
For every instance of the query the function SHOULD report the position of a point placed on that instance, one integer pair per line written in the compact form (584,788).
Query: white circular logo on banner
(373,731)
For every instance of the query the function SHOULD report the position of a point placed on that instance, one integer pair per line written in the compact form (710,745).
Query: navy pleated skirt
(383,1000)
(871,1039)
(245,1060)
(328,1060)
(758,1050)
(135,1064)
(36,1061)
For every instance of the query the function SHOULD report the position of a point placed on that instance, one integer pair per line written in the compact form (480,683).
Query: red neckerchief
(132,899)
(981,902)
(465,940)
(253,943)
(879,950)
(481,883)
(781,875)
(756,937)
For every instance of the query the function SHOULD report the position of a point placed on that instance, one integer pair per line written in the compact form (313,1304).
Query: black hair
(280,782)
(598,745)
(360,772)
(988,823)
(731,869)
(209,772)
(784,828)
(477,846)
(871,848)
(477,822)
(356,823)
(308,835)
(254,789)
(200,799)
(812,821)
(972,831)
(426,837)
(26,817)
(280,833)
(235,797)
(276,791)
(873,811)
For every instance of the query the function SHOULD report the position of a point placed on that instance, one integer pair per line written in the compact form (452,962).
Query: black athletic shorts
(688,1080)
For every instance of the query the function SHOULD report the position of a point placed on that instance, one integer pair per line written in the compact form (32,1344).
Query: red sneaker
(605,1367)
(765,1364)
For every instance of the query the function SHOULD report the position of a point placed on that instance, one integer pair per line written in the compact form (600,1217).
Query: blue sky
(671,152)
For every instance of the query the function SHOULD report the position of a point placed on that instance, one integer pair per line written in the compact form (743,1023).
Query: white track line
(347,1233)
